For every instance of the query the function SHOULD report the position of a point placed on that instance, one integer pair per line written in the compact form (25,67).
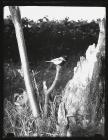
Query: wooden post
(16,18)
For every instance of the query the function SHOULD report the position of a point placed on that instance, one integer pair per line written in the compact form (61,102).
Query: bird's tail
(47,61)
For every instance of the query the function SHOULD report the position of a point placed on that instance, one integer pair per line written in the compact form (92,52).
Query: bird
(57,61)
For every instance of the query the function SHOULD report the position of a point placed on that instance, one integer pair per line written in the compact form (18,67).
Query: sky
(59,12)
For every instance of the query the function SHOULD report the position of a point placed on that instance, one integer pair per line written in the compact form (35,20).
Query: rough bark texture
(83,94)
(16,18)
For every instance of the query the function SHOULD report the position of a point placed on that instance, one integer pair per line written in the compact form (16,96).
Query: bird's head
(62,59)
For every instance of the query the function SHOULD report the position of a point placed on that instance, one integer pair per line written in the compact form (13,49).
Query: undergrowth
(20,120)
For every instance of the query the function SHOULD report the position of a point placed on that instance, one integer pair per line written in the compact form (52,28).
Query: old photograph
(54,71)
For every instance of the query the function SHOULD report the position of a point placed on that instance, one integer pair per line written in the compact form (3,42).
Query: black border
(56,2)
(92,3)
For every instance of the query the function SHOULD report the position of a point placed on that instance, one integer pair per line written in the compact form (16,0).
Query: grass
(20,121)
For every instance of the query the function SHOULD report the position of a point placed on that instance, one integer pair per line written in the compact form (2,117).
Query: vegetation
(45,39)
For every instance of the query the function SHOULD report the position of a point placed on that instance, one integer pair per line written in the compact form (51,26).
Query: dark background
(49,39)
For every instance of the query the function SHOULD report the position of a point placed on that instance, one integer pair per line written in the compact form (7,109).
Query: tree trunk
(84,93)
(16,18)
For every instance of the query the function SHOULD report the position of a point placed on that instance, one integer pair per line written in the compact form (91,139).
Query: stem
(47,92)
(58,67)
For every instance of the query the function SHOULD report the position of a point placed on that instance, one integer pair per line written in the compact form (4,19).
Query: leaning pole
(16,19)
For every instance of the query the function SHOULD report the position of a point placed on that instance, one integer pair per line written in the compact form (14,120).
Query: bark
(86,82)
(16,18)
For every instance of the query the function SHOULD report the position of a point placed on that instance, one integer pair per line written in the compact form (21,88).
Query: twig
(35,82)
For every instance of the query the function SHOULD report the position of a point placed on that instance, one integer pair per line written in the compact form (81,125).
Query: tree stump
(84,94)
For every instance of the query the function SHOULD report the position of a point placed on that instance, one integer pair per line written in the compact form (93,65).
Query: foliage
(19,120)
(45,38)
(26,125)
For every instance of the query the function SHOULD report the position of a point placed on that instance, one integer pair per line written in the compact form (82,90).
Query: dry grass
(21,121)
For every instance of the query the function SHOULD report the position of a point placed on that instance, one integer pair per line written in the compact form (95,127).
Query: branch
(36,86)
(47,91)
